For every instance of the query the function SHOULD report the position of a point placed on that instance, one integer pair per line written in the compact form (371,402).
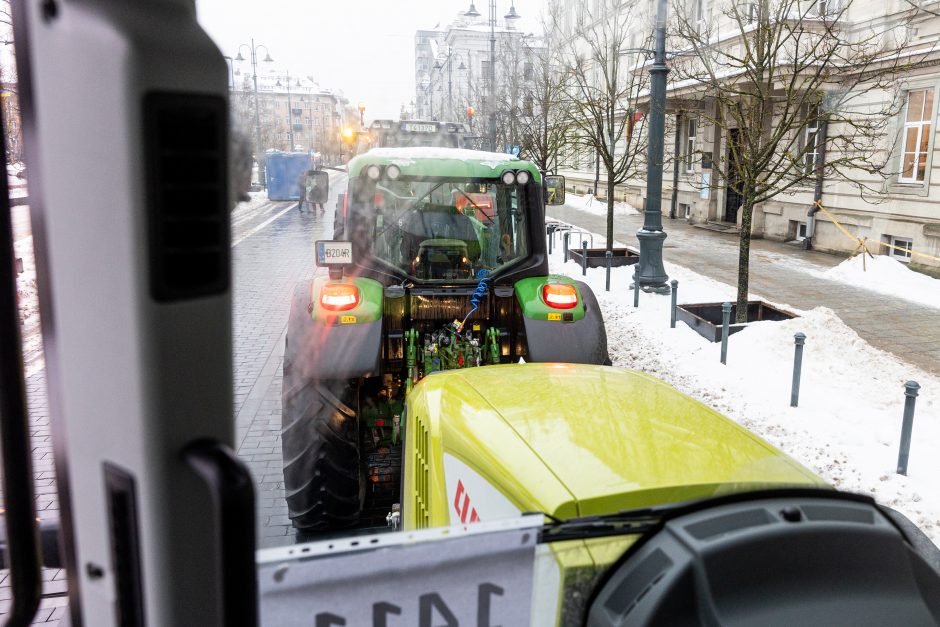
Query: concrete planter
(597,257)
(705,318)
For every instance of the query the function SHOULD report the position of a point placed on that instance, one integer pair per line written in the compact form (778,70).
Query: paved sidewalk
(778,272)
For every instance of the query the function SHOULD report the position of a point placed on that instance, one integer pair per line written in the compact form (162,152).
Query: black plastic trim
(233,497)
(124,534)
(18,493)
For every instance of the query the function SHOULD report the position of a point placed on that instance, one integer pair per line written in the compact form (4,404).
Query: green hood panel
(612,438)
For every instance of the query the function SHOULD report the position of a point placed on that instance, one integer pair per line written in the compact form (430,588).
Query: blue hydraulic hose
(477,297)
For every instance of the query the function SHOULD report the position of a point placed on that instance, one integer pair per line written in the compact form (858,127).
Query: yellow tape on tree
(863,242)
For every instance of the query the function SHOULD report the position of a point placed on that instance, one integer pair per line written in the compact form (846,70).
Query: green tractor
(438,263)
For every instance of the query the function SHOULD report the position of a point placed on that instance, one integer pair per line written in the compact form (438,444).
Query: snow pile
(597,206)
(888,276)
(847,428)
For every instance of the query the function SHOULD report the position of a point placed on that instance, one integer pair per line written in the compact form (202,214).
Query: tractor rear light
(339,296)
(560,295)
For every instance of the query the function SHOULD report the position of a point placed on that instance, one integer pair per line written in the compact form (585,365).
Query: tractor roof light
(373,172)
(522,177)
(560,295)
(339,296)
(508,177)
(392,172)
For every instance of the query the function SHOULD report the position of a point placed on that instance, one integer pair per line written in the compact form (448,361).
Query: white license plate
(333,253)
(419,128)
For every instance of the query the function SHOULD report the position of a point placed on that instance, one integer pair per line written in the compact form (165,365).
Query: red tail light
(339,296)
(560,295)
(345,196)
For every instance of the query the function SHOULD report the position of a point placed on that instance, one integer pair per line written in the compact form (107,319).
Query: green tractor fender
(335,328)
(574,334)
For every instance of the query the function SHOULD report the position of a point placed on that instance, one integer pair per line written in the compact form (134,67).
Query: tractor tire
(319,441)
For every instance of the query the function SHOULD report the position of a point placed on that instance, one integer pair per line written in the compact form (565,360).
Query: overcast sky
(363,47)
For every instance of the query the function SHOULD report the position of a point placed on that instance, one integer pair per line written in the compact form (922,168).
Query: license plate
(554,316)
(347,320)
(333,253)
(419,128)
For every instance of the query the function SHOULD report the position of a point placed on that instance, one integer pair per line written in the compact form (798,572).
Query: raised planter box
(597,257)
(705,318)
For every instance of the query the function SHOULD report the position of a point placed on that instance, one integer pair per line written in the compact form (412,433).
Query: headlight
(522,177)
(508,177)
(373,172)
(392,172)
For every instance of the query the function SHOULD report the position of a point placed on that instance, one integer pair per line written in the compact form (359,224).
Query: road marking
(262,225)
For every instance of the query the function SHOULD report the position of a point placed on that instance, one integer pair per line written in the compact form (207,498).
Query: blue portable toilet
(283,171)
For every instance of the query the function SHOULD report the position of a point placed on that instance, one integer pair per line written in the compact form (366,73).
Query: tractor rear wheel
(319,437)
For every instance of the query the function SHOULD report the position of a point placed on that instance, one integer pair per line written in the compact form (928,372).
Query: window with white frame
(691,130)
(902,249)
(827,8)
(700,21)
(916,136)
(811,152)
(749,11)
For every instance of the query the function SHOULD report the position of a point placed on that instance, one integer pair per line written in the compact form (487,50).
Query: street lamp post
(511,16)
(362,114)
(448,59)
(259,149)
(652,275)
(470,113)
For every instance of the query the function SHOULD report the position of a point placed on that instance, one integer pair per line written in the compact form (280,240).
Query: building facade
(295,113)
(894,207)
(452,73)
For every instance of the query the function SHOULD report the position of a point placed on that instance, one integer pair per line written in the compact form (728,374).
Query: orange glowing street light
(362,110)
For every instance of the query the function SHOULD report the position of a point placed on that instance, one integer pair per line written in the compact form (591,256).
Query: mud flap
(330,351)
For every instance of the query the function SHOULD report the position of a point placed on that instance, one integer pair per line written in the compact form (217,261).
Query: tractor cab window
(448,230)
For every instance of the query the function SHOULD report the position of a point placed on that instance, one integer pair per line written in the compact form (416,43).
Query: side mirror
(316,186)
(554,190)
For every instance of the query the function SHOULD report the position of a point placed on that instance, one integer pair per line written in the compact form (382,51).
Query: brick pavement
(906,329)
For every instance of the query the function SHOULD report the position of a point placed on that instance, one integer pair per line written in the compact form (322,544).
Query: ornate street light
(511,17)
(259,149)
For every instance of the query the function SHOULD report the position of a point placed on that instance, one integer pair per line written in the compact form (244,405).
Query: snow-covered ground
(847,427)
(886,275)
(597,206)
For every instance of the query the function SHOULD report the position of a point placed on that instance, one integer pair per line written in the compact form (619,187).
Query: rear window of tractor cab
(445,229)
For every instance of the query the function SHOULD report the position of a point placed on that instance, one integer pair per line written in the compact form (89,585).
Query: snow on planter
(886,275)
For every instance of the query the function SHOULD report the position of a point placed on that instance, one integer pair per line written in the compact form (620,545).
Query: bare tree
(543,130)
(602,88)
(796,92)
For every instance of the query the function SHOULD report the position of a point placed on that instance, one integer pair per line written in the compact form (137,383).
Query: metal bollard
(910,397)
(672,316)
(799,339)
(609,256)
(551,239)
(566,238)
(583,257)
(725,321)
(636,285)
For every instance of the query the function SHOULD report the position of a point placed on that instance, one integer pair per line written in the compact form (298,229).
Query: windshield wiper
(627,522)
(646,519)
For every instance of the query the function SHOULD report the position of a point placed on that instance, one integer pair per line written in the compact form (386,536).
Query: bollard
(725,320)
(609,256)
(566,237)
(910,397)
(551,239)
(798,339)
(636,285)
(584,257)
(672,316)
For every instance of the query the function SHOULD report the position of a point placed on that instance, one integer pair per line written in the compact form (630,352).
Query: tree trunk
(744,253)
(610,211)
